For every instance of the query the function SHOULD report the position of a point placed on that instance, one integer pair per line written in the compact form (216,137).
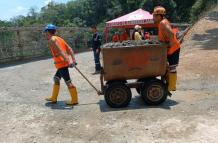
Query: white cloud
(47,2)
(19,9)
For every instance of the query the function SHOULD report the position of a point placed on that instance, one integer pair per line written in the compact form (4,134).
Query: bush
(199,6)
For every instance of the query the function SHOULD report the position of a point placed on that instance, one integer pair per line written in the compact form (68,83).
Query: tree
(184,9)
(84,13)
(199,6)
(5,24)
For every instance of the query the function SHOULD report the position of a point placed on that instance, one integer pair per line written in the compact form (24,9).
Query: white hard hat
(137,27)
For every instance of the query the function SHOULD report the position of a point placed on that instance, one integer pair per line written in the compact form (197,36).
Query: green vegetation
(84,13)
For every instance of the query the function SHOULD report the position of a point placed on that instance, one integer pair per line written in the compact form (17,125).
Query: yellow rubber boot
(172,79)
(55,93)
(74,96)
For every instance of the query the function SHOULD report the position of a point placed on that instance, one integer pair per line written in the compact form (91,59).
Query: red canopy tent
(138,17)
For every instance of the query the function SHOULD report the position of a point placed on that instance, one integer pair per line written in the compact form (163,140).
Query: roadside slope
(200,49)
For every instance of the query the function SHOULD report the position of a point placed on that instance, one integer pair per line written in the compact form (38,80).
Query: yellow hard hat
(159,10)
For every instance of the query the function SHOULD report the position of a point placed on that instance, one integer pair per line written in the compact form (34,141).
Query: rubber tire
(145,92)
(138,90)
(120,87)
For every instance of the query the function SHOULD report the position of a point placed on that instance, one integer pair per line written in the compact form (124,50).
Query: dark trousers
(62,73)
(174,58)
(173,61)
(97,60)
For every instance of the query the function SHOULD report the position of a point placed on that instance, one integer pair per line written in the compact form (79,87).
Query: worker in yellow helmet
(167,35)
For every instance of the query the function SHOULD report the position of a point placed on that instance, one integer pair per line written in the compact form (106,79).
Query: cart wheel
(118,95)
(143,80)
(154,92)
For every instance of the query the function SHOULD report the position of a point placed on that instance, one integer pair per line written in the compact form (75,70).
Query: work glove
(72,65)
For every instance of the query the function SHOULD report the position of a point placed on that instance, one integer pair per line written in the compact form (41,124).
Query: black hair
(133,34)
(51,31)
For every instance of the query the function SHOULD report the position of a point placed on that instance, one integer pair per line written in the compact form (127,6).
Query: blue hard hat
(50,27)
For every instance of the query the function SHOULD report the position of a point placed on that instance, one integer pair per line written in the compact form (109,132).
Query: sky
(12,8)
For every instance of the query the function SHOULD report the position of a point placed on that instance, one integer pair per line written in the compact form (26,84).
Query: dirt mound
(199,51)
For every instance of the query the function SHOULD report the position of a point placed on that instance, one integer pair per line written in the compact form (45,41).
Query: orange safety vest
(147,36)
(116,38)
(123,36)
(58,60)
(165,38)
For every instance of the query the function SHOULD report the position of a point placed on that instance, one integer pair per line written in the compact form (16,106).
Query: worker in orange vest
(166,34)
(123,36)
(62,54)
(147,36)
(116,37)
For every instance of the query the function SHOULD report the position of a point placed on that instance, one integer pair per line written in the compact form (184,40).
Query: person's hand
(73,60)
(98,50)
(72,65)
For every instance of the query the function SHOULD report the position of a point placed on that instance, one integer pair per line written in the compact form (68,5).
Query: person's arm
(99,43)
(168,31)
(70,52)
(97,50)
(113,38)
(118,38)
(57,47)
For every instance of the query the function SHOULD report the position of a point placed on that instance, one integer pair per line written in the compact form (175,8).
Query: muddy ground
(190,116)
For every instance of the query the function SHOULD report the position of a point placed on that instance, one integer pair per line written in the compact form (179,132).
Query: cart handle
(98,91)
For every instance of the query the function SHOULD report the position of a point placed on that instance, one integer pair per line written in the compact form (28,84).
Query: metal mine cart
(123,64)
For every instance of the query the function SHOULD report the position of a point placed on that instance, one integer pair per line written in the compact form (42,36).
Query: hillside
(200,48)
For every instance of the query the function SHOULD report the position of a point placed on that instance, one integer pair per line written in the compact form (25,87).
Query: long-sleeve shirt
(96,41)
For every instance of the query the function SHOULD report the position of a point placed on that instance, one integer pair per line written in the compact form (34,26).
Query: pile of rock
(130,43)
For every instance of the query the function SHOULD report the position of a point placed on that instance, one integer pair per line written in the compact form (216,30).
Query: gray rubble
(130,43)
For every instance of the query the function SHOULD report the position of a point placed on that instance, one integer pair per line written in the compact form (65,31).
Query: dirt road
(191,115)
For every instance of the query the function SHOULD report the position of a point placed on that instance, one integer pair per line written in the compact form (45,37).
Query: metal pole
(98,91)
(184,34)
